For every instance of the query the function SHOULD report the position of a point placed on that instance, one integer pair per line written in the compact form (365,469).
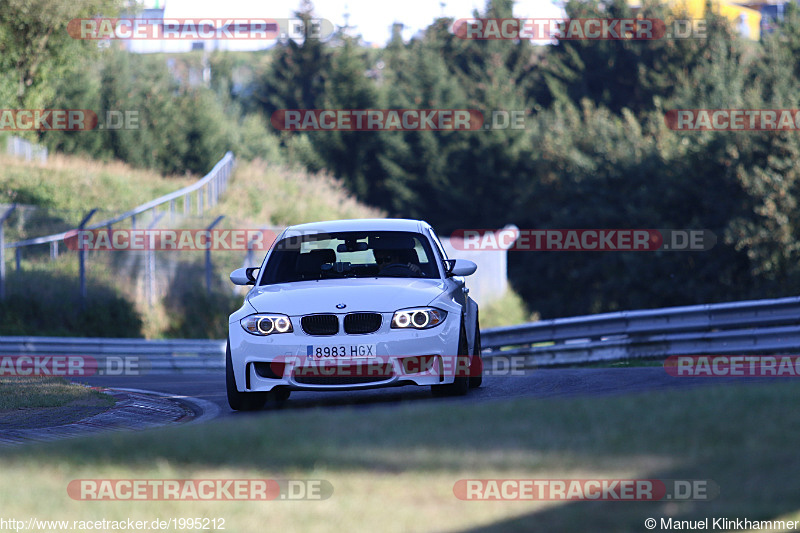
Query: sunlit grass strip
(17,392)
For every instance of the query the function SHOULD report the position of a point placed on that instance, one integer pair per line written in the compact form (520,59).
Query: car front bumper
(390,357)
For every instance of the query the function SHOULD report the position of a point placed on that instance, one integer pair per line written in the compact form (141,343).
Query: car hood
(369,294)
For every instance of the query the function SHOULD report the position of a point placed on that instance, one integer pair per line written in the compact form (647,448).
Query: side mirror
(244,276)
(461,267)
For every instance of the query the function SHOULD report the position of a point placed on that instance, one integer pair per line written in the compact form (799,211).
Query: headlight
(266,324)
(418,318)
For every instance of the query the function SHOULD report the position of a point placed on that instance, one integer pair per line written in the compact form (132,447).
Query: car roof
(361,224)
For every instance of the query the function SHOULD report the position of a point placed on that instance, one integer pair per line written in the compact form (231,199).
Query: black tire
(278,396)
(240,401)
(460,385)
(476,368)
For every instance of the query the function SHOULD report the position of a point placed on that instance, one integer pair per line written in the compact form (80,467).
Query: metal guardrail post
(200,202)
(250,256)
(208,255)
(82,254)
(150,265)
(248,259)
(3,251)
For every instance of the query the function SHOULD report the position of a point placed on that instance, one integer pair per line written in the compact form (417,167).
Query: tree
(35,47)
(296,77)
(621,73)
(351,155)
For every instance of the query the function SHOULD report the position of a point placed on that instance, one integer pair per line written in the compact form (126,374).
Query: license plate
(341,351)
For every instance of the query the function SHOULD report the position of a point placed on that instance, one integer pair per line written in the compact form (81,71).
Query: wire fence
(18,147)
(188,205)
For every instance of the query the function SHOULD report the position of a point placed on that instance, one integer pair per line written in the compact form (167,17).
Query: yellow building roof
(746,19)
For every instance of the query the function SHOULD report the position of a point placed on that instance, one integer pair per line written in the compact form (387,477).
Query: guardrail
(754,326)
(155,356)
(208,190)
(758,326)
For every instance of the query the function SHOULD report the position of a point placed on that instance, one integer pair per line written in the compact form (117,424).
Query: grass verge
(396,467)
(73,185)
(261,194)
(43,401)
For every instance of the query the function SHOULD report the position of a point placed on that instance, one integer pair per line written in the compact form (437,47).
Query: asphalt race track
(540,383)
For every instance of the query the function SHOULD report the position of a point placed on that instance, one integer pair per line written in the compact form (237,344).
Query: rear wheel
(240,401)
(476,368)
(460,385)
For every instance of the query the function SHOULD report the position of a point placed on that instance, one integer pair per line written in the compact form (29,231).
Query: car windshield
(362,254)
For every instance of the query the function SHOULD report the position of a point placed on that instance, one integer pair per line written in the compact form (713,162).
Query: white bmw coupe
(353,304)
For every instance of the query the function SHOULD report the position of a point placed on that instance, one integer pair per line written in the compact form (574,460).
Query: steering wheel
(397,270)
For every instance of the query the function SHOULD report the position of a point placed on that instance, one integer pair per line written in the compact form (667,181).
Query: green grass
(507,310)
(44,401)
(44,299)
(43,391)
(69,186)
(262,194)
(395,467)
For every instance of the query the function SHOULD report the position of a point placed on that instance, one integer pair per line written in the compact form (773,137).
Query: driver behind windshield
(391,260)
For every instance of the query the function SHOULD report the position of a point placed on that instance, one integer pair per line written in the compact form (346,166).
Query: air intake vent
(339,380)
(359,323)
(320,324)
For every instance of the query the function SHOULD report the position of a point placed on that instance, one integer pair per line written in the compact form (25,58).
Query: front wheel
(240,401)
(460,384)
